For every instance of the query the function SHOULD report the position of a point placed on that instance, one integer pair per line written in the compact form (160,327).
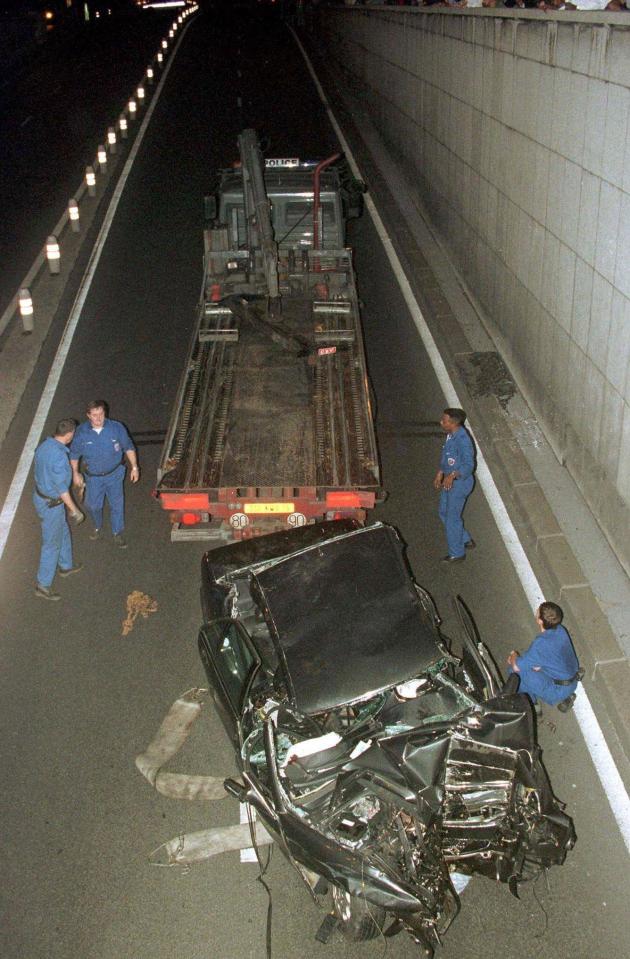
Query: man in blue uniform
(51,496)
(454,479)
(102,444)
(548,670)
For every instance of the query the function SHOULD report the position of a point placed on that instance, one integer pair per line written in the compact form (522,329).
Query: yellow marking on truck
(268,508)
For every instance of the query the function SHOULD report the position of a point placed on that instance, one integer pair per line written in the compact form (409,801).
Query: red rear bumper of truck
(254,511)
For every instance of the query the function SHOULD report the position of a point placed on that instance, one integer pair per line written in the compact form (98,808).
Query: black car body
(377,759)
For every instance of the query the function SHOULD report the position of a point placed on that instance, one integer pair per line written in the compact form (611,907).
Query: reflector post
(122,124)
(111,139)
(53,255)
(132,106)
(140,93)
(25,305)
(73,215)
(101,155)
(90,180)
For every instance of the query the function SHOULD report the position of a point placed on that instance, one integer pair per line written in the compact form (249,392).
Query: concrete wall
(516,129)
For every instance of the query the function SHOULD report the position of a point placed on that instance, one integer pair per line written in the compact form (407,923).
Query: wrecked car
(381,763)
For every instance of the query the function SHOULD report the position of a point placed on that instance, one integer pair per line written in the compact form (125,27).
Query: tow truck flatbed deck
(256,413)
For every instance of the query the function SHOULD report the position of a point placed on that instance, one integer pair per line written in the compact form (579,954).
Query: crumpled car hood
(346,619)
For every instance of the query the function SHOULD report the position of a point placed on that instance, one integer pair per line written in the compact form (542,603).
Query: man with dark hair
(549,669)
(53,477)
(454,479)
(102,444)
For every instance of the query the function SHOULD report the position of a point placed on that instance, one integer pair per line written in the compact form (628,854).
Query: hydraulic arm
(257,210)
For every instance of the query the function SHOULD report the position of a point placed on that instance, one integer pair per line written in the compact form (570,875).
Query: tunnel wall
(515,129)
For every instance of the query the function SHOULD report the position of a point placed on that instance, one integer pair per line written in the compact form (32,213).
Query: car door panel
(228,660)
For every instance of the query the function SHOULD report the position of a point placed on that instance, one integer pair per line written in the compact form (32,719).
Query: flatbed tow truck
(272,425)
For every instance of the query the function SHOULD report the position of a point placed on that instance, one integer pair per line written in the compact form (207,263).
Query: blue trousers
(56,543)
(110,488)
(537,685)
(452,504)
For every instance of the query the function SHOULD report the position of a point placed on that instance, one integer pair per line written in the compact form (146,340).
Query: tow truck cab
(289,187)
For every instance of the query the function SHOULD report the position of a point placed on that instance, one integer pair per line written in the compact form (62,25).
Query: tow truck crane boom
(257,211)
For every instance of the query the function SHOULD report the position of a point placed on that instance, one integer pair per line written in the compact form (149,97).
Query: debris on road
(138,604)
(169,739)
(199,846)
(184,850)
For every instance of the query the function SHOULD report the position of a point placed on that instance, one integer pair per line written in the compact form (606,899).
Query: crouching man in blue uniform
(51,497)
(454,479)
(549,669)
(102,445)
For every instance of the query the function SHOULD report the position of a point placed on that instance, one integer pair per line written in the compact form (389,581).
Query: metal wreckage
(383,765)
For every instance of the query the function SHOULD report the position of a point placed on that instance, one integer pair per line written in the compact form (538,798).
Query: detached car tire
(359,920)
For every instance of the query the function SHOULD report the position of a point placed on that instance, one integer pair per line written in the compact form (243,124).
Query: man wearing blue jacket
(102,445)
(454,479)
(51,498)
(548,670)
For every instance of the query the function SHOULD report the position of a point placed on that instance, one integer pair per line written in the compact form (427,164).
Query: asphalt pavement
(80,700)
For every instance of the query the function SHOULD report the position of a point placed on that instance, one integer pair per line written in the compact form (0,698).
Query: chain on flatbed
(207,450)
(222,419)
(187,406)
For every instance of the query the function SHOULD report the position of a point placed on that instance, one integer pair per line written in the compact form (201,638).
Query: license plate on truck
(268,508)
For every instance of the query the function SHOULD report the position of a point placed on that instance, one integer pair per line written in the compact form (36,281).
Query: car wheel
(359,920)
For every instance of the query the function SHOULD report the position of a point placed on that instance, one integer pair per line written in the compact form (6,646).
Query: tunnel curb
(607,667)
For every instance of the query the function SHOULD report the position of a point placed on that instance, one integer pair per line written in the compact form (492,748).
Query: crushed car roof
(346,618)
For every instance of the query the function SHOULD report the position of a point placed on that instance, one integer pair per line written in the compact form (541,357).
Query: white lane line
(248,854)
(11,503)
(601,756)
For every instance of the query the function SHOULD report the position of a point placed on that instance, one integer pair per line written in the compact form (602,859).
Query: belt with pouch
(108,473)
(574,679)
(51,500)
